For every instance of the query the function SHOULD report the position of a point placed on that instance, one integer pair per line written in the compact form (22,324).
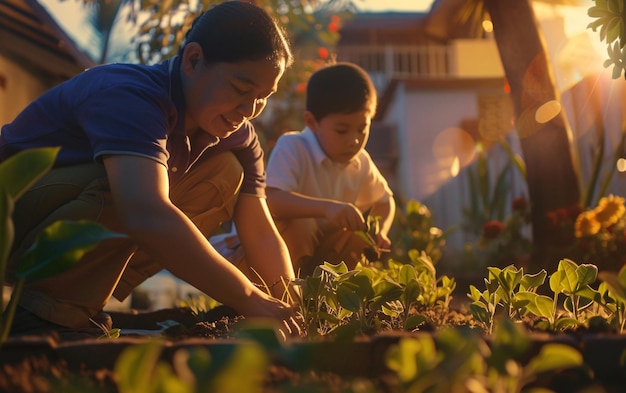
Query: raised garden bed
(43,364)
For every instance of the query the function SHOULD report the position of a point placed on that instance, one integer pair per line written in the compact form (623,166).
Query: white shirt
(298,164)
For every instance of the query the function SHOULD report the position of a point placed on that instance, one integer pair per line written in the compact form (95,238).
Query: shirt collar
(318,154)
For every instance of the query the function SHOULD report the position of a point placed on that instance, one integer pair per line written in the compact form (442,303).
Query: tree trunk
(546,147)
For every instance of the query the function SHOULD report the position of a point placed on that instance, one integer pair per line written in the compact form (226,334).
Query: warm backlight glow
(487,26)
(547,111)
(621,165)
(455,168)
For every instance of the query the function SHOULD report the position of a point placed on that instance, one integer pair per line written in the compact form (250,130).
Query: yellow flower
(586,224)
(610,209)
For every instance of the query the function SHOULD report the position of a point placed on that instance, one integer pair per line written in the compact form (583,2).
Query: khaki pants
(207,195)
(310,244)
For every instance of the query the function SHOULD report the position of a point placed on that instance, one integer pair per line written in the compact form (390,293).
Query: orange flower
(322,52)
(610,209)
(586,224)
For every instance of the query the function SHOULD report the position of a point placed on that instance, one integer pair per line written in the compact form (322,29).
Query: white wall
(427,114)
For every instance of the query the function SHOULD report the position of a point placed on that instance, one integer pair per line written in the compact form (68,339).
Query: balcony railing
(384,62)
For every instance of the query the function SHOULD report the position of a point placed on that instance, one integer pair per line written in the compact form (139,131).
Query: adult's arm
(263,246)
(140,190)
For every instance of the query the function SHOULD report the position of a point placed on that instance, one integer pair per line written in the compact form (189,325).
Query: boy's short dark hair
(340,88)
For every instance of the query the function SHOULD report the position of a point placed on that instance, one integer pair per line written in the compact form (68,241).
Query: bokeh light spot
(454,147)
(547,111)
(487,26)
(621,165)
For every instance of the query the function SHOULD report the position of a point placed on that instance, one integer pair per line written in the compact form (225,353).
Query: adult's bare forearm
(174,241)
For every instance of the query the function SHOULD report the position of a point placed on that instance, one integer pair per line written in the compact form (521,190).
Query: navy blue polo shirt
(125,109)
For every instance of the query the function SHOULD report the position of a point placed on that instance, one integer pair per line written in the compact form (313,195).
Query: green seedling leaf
(59,247)
(335,270)
(567,277)
(475,294)
(533,281)
(565,323)
(348,331)
(422,262)
(558,282)
(542,306)
(554,357)
(324,316)
(616,284)
(509,278)
(21,171)
(385,292)
(481,312)
(113,333)
(587,274)
(413,322)
(582,304)
(351,294)
(406,274)
(393,312)
(412,291)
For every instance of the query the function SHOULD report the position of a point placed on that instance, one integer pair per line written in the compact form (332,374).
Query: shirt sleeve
(375,187)
(284,167)
(124,120)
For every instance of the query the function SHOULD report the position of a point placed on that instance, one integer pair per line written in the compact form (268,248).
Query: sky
(394,5)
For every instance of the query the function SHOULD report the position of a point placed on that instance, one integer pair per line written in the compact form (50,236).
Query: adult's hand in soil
(270,307)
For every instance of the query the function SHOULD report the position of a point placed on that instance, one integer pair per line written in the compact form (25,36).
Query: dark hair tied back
(236,31)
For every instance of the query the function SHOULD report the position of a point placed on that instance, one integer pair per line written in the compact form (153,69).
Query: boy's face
(341,135)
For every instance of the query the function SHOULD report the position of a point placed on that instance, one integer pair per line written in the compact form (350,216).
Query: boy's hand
(382,241)
(345,216)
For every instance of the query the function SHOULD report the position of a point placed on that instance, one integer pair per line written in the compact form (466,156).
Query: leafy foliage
(611,20)
(58,248)
(574,302)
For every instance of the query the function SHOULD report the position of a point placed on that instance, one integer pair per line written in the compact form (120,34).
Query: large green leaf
(59,247)
(553,357)
(22,170)
(6,227)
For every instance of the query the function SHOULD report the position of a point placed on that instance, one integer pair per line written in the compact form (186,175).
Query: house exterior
(441,90)
(35,54)
(440,94)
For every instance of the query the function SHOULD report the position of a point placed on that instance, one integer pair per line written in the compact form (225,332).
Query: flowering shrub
(504,242)
(414,229)
(595,235)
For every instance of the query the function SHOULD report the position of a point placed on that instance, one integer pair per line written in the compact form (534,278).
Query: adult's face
(221,96)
